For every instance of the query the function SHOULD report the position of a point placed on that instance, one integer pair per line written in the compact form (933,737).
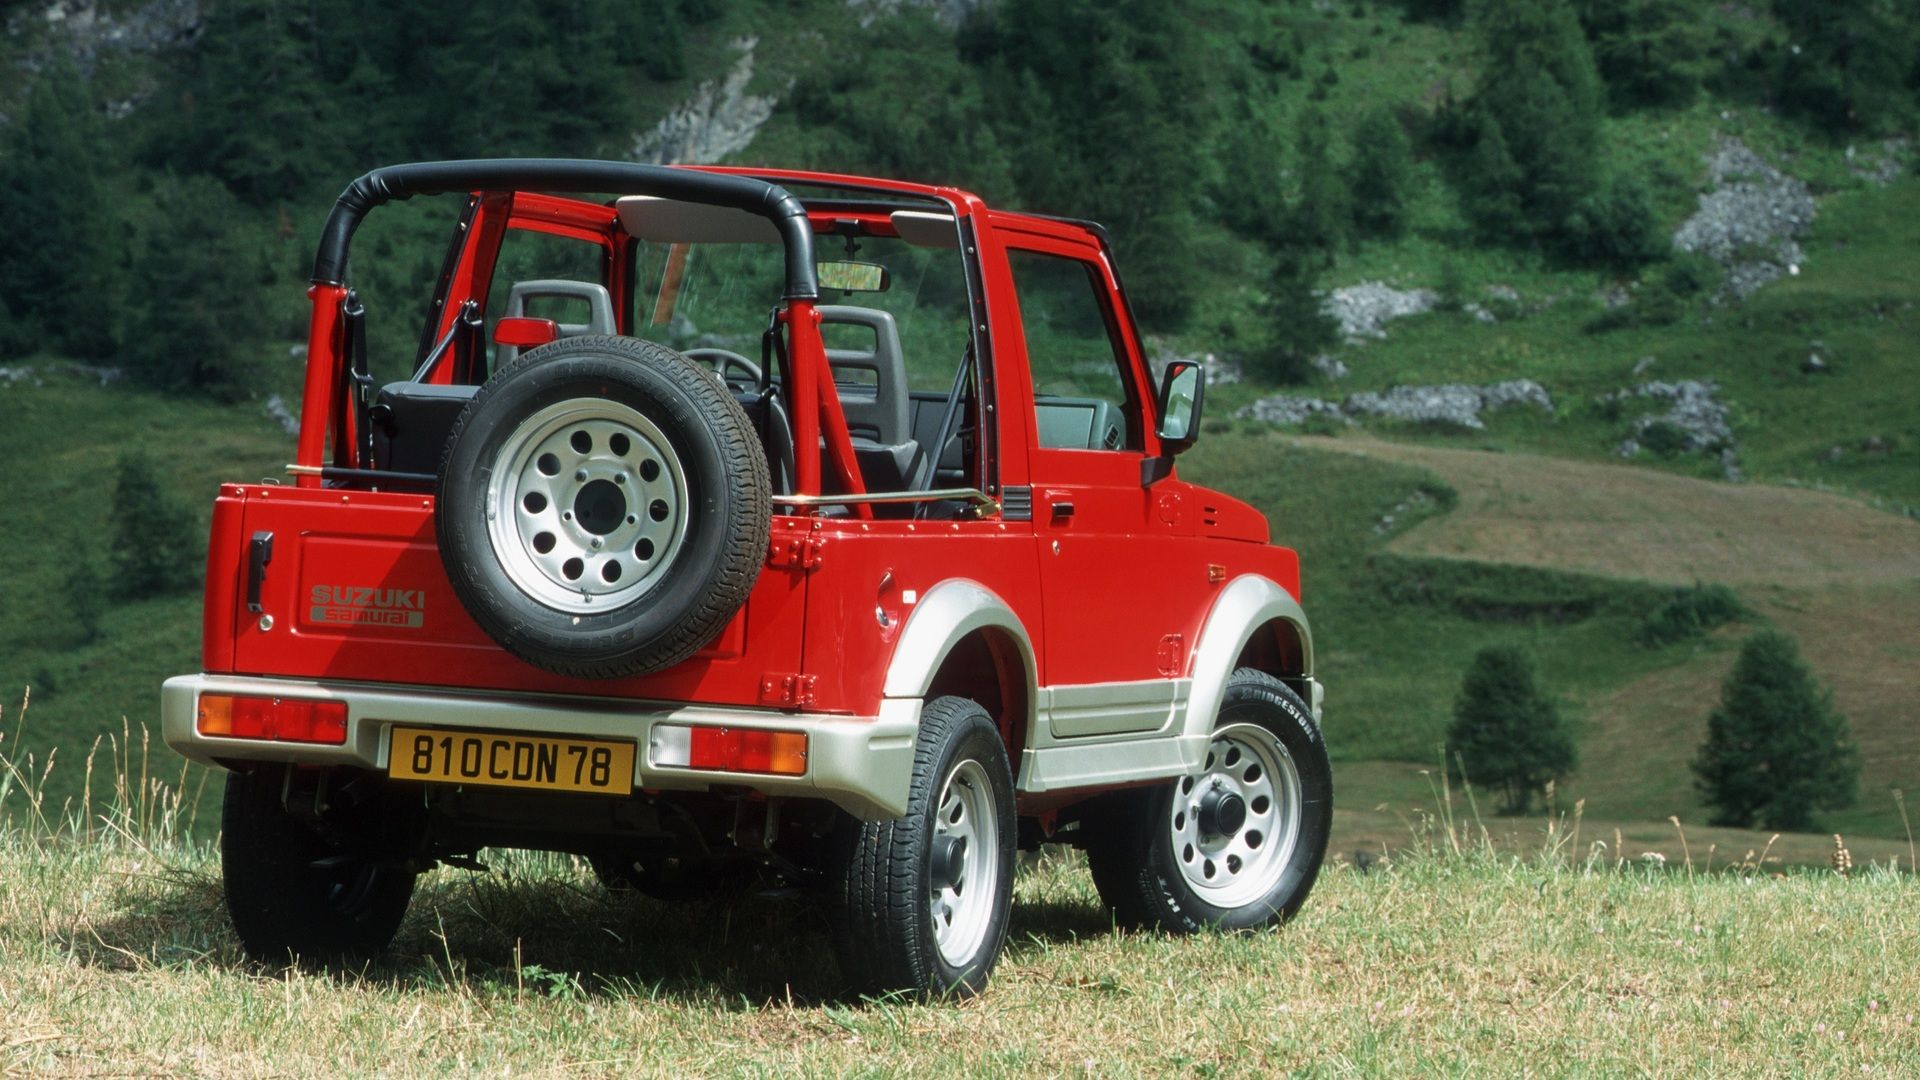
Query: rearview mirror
(1181,391)
(852,276)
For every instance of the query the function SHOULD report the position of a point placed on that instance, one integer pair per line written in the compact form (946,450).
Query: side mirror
(1182,390)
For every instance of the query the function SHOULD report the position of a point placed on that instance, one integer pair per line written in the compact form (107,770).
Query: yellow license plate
(522,761)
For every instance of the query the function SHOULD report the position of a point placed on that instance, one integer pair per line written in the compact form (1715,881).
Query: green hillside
(1251,157)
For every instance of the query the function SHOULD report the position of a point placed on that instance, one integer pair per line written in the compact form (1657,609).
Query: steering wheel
(722,359)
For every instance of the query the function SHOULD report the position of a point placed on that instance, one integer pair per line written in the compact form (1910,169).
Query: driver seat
(599,310)
(872,383)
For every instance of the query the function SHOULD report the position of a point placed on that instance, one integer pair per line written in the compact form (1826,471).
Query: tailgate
(355,590)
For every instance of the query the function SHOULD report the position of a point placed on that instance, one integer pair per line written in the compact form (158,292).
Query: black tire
(654,527)
(886,890)
(1161,864)
(283,907)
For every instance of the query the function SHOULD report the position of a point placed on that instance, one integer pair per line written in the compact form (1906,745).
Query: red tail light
(273,719)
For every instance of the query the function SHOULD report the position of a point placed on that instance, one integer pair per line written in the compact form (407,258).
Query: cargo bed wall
(355,591)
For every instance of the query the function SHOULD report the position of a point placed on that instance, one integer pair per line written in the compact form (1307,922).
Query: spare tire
(603,507)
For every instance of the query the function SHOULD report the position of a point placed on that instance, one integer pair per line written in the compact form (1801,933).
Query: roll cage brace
(336,377)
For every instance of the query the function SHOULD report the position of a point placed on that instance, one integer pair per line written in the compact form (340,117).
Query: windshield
(716,295)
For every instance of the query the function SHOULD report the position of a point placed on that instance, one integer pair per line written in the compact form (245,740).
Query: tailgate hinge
(797,552)
(786,690)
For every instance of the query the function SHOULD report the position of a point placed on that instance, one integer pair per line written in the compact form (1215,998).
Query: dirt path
(1628,522)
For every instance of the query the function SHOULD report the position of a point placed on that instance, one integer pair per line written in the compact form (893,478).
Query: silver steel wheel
(587,505)
(1235,824)
(966,863)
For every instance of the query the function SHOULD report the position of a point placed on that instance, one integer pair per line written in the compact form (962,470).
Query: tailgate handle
(259,554)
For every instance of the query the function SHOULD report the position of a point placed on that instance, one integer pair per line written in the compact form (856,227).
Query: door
(1114,630)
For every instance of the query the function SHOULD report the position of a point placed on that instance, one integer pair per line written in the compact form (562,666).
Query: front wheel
(1236,845)
(919,904)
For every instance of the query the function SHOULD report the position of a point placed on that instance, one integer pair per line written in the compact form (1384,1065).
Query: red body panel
(1112,578)
(356,592)
(874,571)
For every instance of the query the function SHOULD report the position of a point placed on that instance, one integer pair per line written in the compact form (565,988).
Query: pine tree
(203,330)
(57,272)
(1103,109)
(1380,180)
(253,106)
(1249,199)
(1320,210)
(1776,751)
(156,548)
(1649,52)
(1297,324)
(1506,730)
(1540,96)
(1845,61)
(1489,187)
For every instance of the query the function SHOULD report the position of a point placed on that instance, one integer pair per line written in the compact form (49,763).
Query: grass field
(1841,576)
(115,958)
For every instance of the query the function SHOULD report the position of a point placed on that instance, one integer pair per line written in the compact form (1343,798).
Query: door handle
(1059,503)
(259,554)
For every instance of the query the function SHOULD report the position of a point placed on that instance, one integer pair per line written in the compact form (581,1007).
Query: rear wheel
(1238,844)
(920,904)
(292,894)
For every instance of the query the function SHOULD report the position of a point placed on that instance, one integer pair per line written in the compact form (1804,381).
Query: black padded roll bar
(558,174)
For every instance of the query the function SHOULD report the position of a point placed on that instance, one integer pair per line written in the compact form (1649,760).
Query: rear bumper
(863,765)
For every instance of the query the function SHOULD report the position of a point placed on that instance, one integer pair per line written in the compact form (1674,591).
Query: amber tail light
(272,719)
(724,749)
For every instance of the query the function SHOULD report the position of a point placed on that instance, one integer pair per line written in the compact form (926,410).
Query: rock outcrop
(1750,223)
(1363,310)
(719,119)
(1449,403)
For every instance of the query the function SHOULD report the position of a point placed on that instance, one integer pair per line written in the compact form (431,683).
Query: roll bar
(770,201)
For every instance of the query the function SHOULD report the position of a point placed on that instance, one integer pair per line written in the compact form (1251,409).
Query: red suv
(736,524)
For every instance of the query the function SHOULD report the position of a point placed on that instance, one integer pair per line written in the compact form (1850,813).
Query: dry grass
(115,960)
(1449,955)
(1621,521)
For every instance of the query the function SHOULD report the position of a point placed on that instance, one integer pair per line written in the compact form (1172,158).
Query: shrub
(1506,731)
(1664,299)
(156,547)
(1663,438)
(1692,274)
(85,602)
(1776,751)
(1690,613)
(1616,226)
